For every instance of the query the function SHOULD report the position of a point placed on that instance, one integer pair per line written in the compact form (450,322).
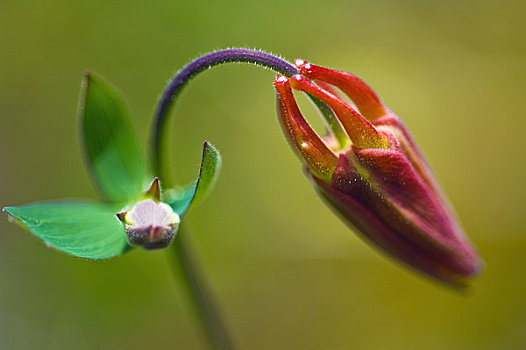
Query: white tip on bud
(150,224)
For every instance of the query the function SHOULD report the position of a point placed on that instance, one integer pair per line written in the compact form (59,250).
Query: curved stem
(189,275)
(184,264)
(191,70)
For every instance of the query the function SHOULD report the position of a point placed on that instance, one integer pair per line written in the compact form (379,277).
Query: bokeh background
(286,272)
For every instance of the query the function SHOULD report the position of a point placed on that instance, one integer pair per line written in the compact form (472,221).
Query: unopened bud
(150,224)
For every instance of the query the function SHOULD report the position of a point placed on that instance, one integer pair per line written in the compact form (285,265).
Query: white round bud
(150,224)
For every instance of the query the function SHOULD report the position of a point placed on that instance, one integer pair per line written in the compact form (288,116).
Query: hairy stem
(191,70)
(185,268)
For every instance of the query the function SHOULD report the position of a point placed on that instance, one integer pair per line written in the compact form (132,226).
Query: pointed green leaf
(208,173)
(80,228)
(180,200)
(112,152)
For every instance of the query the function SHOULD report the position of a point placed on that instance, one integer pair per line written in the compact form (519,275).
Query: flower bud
(150,223)
(380,184)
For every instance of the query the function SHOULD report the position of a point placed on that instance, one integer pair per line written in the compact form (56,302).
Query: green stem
(184,264)
(198,295)
(192,281)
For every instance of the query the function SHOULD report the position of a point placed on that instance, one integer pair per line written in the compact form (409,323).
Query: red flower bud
(380,184)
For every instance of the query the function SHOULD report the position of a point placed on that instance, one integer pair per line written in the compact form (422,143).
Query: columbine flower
(370,170)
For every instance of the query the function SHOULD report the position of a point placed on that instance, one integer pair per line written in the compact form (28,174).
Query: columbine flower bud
(150,223)
(379,182)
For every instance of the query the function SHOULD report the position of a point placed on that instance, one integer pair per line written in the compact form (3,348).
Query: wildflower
(370,170)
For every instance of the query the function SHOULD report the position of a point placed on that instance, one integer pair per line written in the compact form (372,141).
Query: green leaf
(180,200)
(110,145)
(80,228)
(208,173)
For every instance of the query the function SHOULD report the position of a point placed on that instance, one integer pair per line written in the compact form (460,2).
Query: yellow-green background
(287,273)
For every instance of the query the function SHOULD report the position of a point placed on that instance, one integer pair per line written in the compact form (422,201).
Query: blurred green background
(287,273)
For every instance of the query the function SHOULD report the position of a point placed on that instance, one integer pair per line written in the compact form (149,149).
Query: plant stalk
(201,301)
(185,266)
(181,79)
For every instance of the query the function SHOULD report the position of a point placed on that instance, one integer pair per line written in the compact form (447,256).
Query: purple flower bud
(379,182)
